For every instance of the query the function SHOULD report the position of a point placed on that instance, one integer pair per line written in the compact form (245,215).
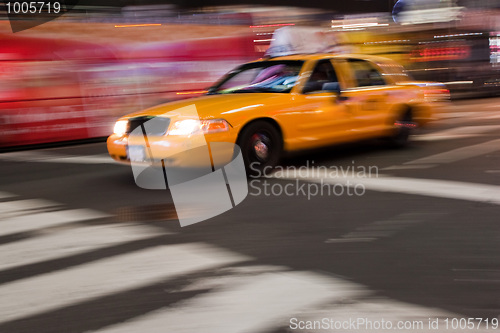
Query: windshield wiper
(254,90)
(212,91)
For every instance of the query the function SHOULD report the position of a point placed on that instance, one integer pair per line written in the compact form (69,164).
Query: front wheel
(261,146)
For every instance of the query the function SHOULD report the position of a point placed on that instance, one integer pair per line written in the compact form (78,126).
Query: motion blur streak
(83,249)
(192,92)
(136,25)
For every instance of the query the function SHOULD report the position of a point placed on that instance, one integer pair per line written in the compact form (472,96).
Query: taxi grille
(157,126)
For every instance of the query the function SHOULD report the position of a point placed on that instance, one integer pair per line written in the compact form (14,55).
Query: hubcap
(261,149)
(261,145)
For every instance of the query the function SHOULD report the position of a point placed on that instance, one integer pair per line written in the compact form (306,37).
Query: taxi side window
(322,73)
(365,74)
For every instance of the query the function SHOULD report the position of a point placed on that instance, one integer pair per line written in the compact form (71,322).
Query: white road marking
(366,315)
(493,116)
(464,114)
(246,304)
(5,195)
(229,275)
(51,291)
(70,242)
(456,133)
(89,159)
(26,204)
(9,209)
(457,121)
(48,219)
(476,275)
(47,157)
(409,167)
(425,187)
(464,117)
(436,188)
(243,300)
(27,156)
(265,301)
(459,154)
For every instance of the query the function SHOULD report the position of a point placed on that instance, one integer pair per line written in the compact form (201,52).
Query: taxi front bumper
(173,151)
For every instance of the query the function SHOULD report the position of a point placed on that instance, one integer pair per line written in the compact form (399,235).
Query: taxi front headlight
(121,127)
(195,126)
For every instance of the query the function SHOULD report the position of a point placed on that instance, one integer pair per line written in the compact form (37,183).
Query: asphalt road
(83,249)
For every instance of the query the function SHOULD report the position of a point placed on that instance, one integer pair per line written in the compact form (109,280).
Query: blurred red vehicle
(60,90)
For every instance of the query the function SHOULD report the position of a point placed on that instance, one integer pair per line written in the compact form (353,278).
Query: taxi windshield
(260,77)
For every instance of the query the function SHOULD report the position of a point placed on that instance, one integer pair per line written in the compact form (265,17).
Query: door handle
(343,98)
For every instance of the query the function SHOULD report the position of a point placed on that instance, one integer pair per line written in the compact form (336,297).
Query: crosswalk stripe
(5,195)
(459,154)
(456,133)
(464,117)
(70,242)
(435,188)
(88,159)
(107,276)
(464,114)
(246,304)
(416,186)
(47,157)
(468,121)
(245,301)
(367,316)
(47,219)
(9,208)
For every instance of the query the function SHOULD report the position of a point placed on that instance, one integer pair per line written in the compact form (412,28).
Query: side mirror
(335,88)
(331,87)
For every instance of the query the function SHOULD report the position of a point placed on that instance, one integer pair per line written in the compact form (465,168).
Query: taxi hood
(217,106)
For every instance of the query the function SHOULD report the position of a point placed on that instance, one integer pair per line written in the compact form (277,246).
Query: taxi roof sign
(299,40)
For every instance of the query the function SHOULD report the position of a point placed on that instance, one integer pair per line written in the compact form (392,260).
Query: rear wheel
(261,146)
(403,127)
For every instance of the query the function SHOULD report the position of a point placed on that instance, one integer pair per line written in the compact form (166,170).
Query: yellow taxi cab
(279,105)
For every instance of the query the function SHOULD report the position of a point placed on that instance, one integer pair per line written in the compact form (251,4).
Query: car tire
(261,146)
(403,127)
